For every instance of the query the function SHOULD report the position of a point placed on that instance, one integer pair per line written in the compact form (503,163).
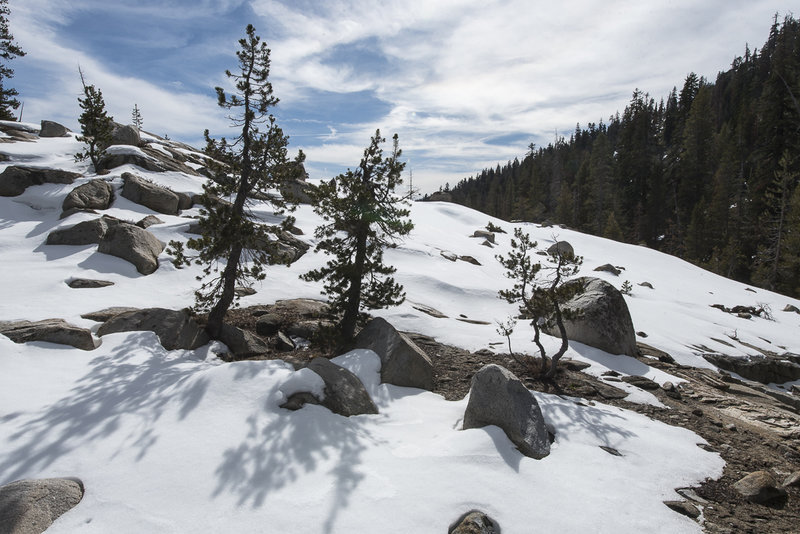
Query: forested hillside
(709,174)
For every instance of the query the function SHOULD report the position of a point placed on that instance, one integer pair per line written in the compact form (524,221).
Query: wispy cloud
(465,83)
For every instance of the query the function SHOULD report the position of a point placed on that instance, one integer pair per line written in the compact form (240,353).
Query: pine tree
(364,217)
(540,291)
(136,117)
(8,50)
(96,125)
(253,163)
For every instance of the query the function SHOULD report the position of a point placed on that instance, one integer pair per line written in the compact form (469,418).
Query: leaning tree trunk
(353,297)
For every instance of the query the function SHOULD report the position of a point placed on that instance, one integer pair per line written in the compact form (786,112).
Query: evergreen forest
(709,174)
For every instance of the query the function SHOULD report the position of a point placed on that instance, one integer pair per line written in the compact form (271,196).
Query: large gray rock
(484,234)
(176,329)
(51,330)
(284,247)
(132,244)
(760,487)
(106,313)
(148,194)
(344,393)
(600,317)
(52,129)
(402,362)
(242,344)
(31,506)
(83,233)
(16,179)
(499,398)
(308,308)
(562,248)
(94,195)
(126,135)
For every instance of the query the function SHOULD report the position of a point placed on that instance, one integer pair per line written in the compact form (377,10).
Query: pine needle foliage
(8,50)
(96,125)
(540,290)
(364,217)
(233,242)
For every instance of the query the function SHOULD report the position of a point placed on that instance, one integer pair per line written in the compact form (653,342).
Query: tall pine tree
(96,125)
(363,217)
(8,50)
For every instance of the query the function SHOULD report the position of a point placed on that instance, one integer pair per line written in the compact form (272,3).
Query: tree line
(710,174)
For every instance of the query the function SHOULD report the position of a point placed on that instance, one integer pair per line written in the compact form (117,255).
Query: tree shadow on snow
(283,447)
(119,384)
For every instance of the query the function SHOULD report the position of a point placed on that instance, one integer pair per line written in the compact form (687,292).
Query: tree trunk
(217,314)
(353,298)
(564,342)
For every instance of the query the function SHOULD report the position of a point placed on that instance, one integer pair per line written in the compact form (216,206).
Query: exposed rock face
(791,308)
(152,160)
(16,179)
(86,283)
(285,248)
(132,244)
(52,129)
(94,195)
(344,393)
(765,370)
(641,382)
(608,268)
(402,362)
(601,318)
(176,329)
(440,196)
(83,233)
(126,135)
(488,236)
(268,324)
(760,487)
(563,248)
(148,194)
(497,397)
(31,506)
(107,313)
(474,522)
(469,259)
(147,222)
(51,330)
(242,344)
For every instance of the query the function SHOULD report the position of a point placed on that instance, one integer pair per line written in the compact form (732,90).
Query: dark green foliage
(693,176)
(540,290)
(363,218)
(232,245)
(96,125)
(8,50)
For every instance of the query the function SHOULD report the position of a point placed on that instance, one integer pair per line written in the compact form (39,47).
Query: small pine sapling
(540,291)
(505,329)
(136,117)
(627,288)
(96,125)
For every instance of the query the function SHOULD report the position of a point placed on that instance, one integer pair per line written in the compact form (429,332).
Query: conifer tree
(8,50)
(363,216)
(232,240)
(96,125)
(540,291)
(136,117)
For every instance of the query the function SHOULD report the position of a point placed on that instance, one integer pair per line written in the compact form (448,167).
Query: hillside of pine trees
(709,174)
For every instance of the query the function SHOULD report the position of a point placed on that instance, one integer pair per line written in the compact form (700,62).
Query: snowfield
(178,441)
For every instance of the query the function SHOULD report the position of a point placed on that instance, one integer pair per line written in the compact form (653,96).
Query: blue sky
(466,84)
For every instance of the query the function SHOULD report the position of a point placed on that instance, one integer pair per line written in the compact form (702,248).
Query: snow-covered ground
(177,441)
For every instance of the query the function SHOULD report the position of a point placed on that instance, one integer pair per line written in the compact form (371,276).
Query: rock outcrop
(242,344)
(83,233)
(126,135)
(402,362)
(31,506)
(148,194)
(16,179)
(766,370)
(96,194)
(344,393)
(176,329)
(50,330)
(562,248)
(760,487)
(600,317)
(132,244)
(52,129)
(499,398)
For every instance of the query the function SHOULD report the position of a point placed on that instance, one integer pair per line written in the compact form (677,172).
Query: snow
(175,441)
